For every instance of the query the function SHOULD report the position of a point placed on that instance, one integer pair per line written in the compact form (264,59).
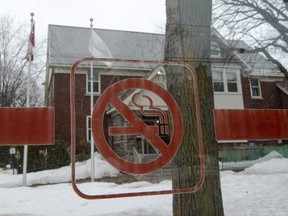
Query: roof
(67,44)
(257,62)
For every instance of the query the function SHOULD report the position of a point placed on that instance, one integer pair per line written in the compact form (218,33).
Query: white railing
(137,158)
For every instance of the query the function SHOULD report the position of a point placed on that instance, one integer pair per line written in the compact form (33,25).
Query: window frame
(96,79)
(231,82)
(253,87)
(225,81)
(218,81)
(215,49)
(88,128)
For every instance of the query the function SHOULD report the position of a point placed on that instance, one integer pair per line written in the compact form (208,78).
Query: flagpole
(25,157)
(91,106)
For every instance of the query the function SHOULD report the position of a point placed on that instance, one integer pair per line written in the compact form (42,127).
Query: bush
(58,155)
(47,156)
(83,150)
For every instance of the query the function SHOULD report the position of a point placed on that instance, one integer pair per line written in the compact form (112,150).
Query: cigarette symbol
(160,114)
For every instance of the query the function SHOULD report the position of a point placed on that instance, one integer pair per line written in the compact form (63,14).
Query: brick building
(241,80)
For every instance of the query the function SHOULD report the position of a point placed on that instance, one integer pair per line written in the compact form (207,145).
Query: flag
(31,43)
(32,35)
(98,48)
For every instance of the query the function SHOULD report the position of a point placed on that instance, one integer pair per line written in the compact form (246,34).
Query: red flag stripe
(32,35)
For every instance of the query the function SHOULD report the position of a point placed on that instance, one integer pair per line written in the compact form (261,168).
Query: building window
(88,128)
(231,82)
(225,81)
(255,88)
(218,82)
(215,49)
(96,82)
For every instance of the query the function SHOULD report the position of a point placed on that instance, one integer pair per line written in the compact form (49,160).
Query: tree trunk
(188,32)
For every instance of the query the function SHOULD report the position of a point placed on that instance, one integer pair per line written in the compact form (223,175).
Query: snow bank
(270,167)
(244,164)
(63,174)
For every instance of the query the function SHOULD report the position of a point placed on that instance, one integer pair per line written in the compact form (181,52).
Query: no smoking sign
(157,122)
(166,151)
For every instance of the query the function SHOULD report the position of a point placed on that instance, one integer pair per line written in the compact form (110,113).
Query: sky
(132,15)
(259,190)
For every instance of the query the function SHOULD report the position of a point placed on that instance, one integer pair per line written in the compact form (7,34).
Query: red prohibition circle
(109,96)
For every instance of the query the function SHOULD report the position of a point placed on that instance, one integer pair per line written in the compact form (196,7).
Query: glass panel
(254,82)
(95,76)
(215,49)
(217,76)
(96,87)
(89,86)
(89,122)
(245,81)
(215,52)
(255,92)
(232,87)
(89,135)
(231,76)
(218,86)
(88,128)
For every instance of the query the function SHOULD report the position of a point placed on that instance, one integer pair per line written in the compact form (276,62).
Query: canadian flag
(31,43)
(32,35)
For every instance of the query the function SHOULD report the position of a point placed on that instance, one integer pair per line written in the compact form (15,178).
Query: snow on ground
(260,190)
(63,174)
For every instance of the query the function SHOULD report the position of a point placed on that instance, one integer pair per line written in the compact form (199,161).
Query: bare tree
(13,65)
(263,24)
(187,39)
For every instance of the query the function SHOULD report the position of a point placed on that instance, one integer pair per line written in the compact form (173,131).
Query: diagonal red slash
(138,126)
